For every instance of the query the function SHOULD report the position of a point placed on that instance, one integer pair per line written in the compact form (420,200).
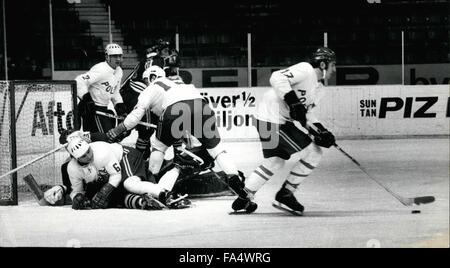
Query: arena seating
(215,34)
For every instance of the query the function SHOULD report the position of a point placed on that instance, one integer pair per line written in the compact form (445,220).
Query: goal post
(32,116)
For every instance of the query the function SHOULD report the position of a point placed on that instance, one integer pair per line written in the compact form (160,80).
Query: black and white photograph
(224,130)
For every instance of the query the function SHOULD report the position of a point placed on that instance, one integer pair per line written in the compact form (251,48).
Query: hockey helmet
(153,70)
(113,49)
(77,147)
(323,54)
(162,44)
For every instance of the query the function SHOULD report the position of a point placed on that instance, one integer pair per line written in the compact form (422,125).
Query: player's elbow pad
(87,97)
(291,98)
(297,110)
(82,87)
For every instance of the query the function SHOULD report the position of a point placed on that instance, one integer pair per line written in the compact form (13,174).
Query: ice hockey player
(98,87)
(59,194)
(182,109)
(133,85)
(295,92)
(126,174)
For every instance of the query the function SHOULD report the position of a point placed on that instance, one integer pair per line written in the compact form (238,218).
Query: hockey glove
(64,134)
(81,202)
(323,137)
(186,164)
(54,194)
(114,134)
(101,199)
(86,106)
(121,109)
(297,110)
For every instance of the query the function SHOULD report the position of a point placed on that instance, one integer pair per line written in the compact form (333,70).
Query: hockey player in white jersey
(182,110)
(295,92)
(98,87)
(126,174)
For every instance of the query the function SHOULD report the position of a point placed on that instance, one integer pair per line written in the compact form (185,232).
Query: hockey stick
(122,118)
(130,75)
(194,156)
(2,116)
(34,160)
(407,201)
(35,189)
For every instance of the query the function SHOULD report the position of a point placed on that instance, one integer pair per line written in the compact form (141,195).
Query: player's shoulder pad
(99,145)
(100,67)
(303,67)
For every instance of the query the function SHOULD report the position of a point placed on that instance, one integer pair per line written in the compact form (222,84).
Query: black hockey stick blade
(423,200)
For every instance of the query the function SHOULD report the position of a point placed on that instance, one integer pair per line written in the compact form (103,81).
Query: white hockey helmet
(77,147)
(113,49)
(153,70)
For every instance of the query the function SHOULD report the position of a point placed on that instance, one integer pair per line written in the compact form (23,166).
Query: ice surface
(343,207)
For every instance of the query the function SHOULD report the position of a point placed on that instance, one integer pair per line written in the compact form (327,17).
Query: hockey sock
(304,167)
(258,178)
(136,185)
(226,163)
(263,173)
(155,162)
(142,144)
(168,180)
(298,174)
(133,201)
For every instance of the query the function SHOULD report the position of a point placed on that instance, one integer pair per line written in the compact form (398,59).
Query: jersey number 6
(116,167)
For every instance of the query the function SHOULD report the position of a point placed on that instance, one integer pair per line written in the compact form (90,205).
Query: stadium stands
(215,34)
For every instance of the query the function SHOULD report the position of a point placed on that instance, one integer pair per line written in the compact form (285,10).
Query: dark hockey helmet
(173,60)
(162,44)
(156,48)
(322,54)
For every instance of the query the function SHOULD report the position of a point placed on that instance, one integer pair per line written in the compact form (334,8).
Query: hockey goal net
(32,116)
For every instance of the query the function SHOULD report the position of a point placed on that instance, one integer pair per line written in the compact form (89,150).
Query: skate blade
(244,211)
(154,204)
(182,205)
(283,207)
(239,212)
(178,200)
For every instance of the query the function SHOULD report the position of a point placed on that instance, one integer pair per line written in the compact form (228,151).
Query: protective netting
(6,183)
(42,111)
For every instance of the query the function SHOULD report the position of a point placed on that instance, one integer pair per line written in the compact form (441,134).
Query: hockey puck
(415,211)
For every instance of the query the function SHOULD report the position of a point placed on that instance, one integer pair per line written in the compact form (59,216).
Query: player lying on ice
(184,165)
(103,175)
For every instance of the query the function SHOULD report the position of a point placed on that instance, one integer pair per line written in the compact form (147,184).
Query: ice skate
(285,200)
(175,201)
(150,203)
(244,204)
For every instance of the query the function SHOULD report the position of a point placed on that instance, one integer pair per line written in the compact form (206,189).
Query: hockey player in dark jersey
(160,55)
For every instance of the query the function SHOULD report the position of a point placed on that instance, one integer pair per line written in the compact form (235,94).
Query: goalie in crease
(296,90)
